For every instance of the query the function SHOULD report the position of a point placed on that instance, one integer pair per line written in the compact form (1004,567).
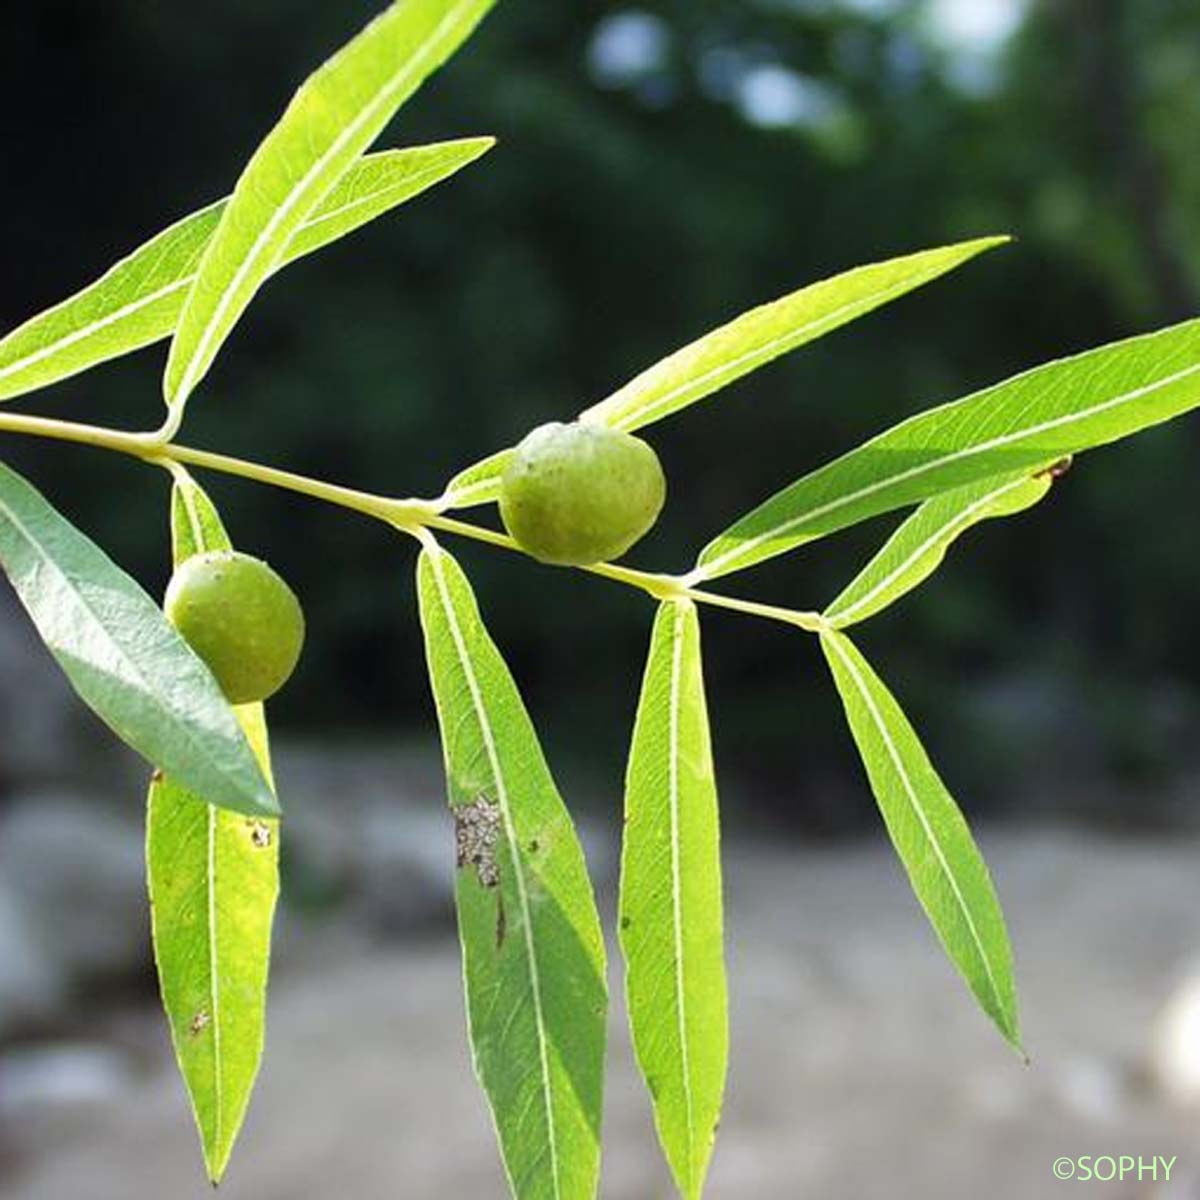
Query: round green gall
(241,618)
(580,494)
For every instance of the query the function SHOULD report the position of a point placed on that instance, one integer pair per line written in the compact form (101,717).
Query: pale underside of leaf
(1027,423)
(333,118)
(533,953)
(670,905)
(214,881)
(745,344)
(120,654)
(931,837)
(138,301)
(919,545)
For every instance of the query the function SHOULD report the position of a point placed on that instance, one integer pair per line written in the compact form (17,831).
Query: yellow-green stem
(411,516)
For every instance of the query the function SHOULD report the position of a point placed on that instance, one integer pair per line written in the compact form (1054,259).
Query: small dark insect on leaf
(200,1022)
(156,776)
(476,832)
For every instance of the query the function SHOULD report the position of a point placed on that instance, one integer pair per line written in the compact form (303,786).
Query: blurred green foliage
(661,168)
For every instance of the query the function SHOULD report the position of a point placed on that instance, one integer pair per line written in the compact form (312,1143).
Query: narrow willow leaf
(139,300)
(214,880)
(333,118)
(121,655)
(532,948)
(765,333)
(671,912)
(196,526)
(919,546)
(479,484)
(1026,423)
(944,865)
(742,346)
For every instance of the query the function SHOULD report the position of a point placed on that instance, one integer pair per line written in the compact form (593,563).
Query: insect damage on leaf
(1057,470)
(501,921)
(476,832)
(260,834)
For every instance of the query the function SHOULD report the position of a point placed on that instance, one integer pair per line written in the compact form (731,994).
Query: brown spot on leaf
(476,834)
(156,776)
(200,1022)
(501,921)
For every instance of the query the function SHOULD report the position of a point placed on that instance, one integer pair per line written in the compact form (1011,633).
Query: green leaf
(196,526)
(1025,424)
(479,484)
(532,948)
(671,912)
(139,300)
(742,346)
(765,333)
(121,655)
(918,547)
(333,118)
(944,865)
(214,880)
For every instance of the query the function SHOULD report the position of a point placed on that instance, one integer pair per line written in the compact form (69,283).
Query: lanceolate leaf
(533,951)
(214,879)
(1027,423)
(334,117)
(196,526)
(139,300)
(751,341)
(765,333)
(918,547)
(671,911)
(122,657)
(931,837)
(479,484)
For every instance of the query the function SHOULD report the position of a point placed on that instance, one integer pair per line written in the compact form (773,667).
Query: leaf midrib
(214,970)
(678,631)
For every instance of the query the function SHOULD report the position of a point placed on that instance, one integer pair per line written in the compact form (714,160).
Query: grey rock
(30,983)
(77,872)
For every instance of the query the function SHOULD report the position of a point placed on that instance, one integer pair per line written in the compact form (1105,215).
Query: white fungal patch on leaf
(476,834)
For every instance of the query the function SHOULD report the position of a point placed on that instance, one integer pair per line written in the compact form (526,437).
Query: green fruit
(241,618)
(580,494)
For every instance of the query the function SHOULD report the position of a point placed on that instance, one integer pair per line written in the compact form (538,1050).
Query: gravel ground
(860,1068)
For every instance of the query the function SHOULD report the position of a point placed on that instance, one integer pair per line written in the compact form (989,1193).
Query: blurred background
(661,167)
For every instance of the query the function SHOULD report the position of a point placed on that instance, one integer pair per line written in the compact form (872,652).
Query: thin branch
(415,517)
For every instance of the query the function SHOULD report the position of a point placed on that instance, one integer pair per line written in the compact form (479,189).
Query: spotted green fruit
(579,494)
(241,618)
